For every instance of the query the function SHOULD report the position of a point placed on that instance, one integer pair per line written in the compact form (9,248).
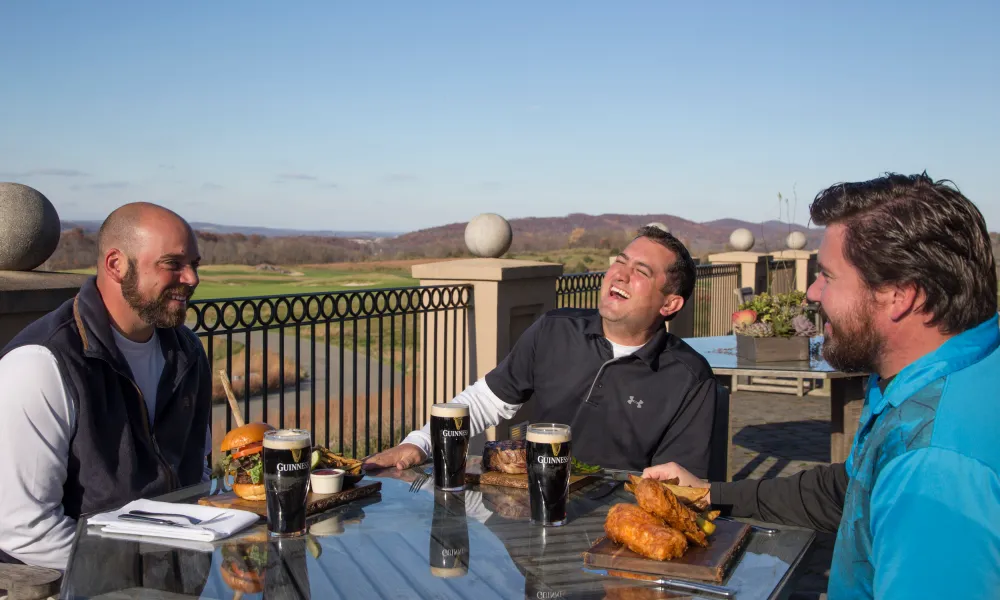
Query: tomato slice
(248,450)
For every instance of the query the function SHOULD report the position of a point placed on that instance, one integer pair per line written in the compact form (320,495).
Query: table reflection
(477,543)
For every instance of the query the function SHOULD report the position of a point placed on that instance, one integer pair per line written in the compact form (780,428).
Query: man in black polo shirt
(633,394)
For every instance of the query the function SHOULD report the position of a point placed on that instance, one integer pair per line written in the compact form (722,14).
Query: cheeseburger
(243,446)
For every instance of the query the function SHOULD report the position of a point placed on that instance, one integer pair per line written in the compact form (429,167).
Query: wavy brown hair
(912,230)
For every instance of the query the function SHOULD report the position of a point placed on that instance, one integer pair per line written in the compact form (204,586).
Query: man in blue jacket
(908,285)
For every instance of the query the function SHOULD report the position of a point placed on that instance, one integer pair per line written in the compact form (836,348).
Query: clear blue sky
(403,115)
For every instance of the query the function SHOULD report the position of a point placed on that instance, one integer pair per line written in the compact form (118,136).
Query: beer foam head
(287,439)
(450,409)
(548,434)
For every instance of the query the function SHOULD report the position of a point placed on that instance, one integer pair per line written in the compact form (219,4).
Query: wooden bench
(24,582)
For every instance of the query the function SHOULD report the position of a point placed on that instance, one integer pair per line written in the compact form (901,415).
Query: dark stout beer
(450,433)
(549,466)
(286,480)
(449,547)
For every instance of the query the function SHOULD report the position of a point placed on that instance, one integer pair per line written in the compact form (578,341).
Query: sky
(396,116)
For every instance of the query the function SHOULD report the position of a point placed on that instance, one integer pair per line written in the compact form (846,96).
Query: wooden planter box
(772,349)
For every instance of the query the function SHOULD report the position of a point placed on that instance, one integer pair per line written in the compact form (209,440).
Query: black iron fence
(578,290)
(715,298)
(781,276)
(356,368)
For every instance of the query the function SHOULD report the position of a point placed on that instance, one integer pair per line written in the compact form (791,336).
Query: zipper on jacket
(172,479)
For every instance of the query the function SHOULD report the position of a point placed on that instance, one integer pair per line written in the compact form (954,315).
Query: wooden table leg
(847,396)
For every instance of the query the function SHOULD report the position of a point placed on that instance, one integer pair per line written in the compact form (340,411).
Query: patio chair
(25,582)
(744,294)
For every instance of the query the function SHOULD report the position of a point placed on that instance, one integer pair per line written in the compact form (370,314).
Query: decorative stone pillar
(508,296)
(29,234)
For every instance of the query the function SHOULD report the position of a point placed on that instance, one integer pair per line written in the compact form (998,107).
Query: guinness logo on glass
(458,422)
(556,447)
(297,454)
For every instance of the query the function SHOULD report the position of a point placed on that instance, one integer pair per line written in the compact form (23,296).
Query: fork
(419,481)
(149,516)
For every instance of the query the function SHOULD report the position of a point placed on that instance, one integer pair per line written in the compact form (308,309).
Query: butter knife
(677,584)
(153,520)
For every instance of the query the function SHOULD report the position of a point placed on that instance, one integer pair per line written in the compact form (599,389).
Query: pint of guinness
(450,433)
(549,466)
(286,480)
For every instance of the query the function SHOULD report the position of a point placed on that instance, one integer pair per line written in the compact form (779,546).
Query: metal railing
(715,298)
(578,290)
(781,276)
(333,361)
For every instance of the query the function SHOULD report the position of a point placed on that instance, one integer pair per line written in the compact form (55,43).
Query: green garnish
(581,468)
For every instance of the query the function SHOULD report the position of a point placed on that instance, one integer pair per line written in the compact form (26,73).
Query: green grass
(229,281)
(576,260)
(226,281)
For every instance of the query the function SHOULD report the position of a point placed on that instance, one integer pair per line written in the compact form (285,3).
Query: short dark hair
(681,274)
(912,230)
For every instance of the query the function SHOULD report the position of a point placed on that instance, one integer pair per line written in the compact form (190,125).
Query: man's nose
(189,276)
(815,290)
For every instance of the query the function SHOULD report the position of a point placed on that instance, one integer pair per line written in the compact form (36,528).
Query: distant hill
(610,231)
(223,244)
(93,226)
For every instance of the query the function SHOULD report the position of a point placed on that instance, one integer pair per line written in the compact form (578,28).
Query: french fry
(691,496)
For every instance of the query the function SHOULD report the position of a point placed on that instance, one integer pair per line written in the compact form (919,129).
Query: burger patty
(243,477)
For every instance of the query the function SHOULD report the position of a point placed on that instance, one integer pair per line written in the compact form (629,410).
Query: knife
(154,520)
(687,586)
(616,473)
(604,489)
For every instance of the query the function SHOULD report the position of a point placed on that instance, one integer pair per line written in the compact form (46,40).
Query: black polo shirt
(651,407)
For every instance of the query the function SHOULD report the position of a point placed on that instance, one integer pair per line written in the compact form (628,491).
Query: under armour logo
(632,400)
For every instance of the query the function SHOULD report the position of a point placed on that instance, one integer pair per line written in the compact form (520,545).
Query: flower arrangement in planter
(774,327)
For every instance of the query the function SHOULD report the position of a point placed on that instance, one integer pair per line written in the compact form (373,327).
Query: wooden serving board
(315,503)
(704,564)
(474,474)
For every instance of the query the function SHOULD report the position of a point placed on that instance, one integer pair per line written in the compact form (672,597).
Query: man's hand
(402,457)
(672,470)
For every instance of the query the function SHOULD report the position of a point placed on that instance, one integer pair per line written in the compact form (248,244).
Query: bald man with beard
(106,399)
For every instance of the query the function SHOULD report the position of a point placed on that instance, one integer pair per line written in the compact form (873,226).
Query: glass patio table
(387,546)
(847,392)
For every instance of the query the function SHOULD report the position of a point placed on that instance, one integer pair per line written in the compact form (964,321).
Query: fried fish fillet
(643,533)
(656,500)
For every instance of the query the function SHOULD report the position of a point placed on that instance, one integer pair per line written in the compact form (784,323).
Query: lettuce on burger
(243,461)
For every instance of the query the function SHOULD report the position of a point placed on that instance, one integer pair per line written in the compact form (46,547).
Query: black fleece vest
(114,455)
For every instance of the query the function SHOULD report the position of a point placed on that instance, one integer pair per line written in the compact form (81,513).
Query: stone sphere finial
(742,239)
(658,225)
(488,235)
(796,240)
(29,227)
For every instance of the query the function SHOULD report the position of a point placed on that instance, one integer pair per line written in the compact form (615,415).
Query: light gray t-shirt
(146,361)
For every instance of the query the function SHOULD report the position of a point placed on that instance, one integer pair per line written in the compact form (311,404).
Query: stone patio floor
(782,434)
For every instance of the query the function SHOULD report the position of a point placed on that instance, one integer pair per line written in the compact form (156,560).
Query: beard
(854,345)
(156,311)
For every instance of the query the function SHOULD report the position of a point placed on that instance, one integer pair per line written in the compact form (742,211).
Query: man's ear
(115,265)
(671,304)
(901,300)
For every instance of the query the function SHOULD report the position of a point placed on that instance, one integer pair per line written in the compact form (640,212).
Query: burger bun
(249,491)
